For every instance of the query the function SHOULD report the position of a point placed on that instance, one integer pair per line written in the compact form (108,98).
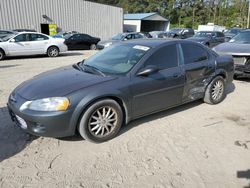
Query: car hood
(198,39)
(230,48)
(58,82)
(108,41)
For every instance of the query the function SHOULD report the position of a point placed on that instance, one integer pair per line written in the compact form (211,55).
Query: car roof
(152,42)
(7,30)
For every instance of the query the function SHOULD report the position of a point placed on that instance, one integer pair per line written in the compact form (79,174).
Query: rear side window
(164,58)
(38,37)
(193,53)
(219,34)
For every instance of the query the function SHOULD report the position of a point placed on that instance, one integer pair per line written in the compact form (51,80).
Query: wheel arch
(1,49)
(83,108)
(53,45)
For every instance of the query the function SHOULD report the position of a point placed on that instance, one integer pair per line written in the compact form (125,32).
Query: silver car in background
(30,43)
(239,48)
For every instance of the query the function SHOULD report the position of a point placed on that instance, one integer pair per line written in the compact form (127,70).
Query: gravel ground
(195,145)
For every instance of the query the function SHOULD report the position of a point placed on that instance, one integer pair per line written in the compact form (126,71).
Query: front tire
(216,91)
(101,121)
(2,55)
(53,51)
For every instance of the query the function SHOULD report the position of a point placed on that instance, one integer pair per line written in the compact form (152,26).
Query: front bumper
(48,124)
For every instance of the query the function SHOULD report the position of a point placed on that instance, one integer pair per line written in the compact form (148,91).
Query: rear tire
(53,51)
(2,55)
(101,121)
(92,47)
(216,91)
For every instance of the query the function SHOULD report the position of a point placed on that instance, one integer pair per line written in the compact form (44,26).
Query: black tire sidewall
(211,87)
(1,55)
(84,120)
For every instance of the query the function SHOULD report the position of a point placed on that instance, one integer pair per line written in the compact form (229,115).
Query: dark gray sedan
(208,38)
(239,48)
(126,81)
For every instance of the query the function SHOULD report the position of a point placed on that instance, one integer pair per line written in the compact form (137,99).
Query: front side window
(164,58)
(22,38)
(193,53)
(117,59)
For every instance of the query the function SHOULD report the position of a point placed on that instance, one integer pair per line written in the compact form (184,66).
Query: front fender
(93,96)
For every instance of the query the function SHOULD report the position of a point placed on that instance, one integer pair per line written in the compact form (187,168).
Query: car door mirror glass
(148,71)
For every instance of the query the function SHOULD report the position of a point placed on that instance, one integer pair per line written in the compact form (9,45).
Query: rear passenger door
(198,66)
(38,43)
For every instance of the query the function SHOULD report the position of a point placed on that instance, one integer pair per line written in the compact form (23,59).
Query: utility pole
(248,17)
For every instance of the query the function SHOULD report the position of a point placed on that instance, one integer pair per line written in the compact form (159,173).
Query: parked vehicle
(4,33)
(120,37)
(181,33)
(229,34)
(239,48)
(81,41)
(24,30)
(30,43)
(159,34)
(120,83)
(208,38)
(64,33)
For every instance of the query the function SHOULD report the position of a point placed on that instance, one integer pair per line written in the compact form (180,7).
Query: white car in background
(30,43)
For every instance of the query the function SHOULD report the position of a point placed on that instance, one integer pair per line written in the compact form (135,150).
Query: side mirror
(125,39)
(147,71)
(12,40)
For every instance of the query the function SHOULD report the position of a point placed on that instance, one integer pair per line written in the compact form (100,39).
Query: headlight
(107,44)
(47,104)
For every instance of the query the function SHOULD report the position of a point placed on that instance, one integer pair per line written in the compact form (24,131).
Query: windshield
(8,37)
(117,59)
(119,36)
(232,31)
(241,38)
(203,34)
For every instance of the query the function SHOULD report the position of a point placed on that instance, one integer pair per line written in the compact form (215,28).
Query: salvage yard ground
(195,145)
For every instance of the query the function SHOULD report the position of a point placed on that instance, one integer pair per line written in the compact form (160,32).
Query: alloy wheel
(217,90)
(103,121)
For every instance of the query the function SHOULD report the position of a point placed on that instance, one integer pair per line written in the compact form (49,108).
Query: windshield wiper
(78,67)
(94,69)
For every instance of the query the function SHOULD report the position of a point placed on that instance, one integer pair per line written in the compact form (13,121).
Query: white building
(145,22)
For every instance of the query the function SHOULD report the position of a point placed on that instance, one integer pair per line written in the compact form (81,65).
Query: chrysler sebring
(96,96)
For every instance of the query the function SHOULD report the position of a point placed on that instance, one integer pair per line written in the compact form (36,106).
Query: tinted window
(129,37)
(84,37)
(138,36)
(22,38)
(38,37)
(219,34)
(164,58)
(193,53)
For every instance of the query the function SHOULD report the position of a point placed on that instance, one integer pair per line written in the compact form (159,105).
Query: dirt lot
(195,145)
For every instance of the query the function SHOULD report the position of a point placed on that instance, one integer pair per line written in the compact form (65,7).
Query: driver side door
(161,89)
(20,45)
